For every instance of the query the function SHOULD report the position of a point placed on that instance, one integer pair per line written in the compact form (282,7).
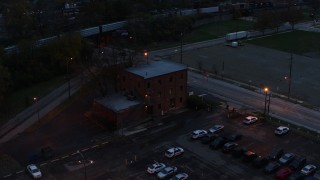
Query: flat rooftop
(156,68)
(117,102)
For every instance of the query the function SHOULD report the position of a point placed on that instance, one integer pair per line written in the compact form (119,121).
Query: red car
(283,173)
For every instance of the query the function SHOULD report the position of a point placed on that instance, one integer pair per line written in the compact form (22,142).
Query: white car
(167,171)
(216,128)
(281,130)
(198,134)
(308,169)
(155,167)
(180,176)
(250,120)
(34,171)
(174,151)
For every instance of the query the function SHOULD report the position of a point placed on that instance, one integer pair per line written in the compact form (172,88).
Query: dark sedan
(260,162)
(218,143)
(271,167)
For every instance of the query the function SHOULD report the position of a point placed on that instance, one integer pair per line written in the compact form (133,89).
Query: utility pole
(84,164)
(181,42)
(290,71)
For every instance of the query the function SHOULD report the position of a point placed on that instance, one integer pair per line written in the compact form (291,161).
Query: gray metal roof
(117,102)
(156,68)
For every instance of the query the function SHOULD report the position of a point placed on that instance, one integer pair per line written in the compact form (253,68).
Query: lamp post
(35,99)
(289,80)
(265,99)
(68,74)
(84,164)
(181,43)
(146,54)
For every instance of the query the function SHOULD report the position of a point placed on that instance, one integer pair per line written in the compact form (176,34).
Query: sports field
(260,67)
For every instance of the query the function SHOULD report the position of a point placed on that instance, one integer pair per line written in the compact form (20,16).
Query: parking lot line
(55,160)
(20,172)
(95,146)
(7,175)
(64,156)
(106,142)
(85,149)
(43,164)
(74,153)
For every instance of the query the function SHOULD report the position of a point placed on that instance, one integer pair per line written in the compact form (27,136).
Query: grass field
(24,97)
(216,29)
(298,42)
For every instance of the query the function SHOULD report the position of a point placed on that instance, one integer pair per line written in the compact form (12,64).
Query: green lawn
(23,98)
(216,29)
(298,42)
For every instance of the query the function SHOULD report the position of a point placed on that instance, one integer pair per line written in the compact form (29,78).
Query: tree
(263,21)
(18,21)
(5,81)
(277,20)
(292,16)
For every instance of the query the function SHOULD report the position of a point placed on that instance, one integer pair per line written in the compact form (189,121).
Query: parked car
(180,176)
(283,173)
(155,167)
(281,130)
(276,154)
(260,162)
(167,171)
(249,156)
(287,158)
(216,128)
(228,147)
(197,134)
(234,137)
(174,151)
(296,176)
(308,169)
(217,143)
(47,152)
(34,171)
(271,167)
(238,152)
(208,138)
(298,163)
(250,120)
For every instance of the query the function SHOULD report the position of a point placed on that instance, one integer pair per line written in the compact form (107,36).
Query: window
(138,84)
(148,85)
(170,91)
(181,99)
(123,78)
(170,79)
(159,81)
(181,88)
(159,106)
(159,95)
(181,76)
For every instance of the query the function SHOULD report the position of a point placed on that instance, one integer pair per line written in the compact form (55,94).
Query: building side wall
(161,94)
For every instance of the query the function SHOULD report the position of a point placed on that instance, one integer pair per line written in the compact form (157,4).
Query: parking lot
(201,162)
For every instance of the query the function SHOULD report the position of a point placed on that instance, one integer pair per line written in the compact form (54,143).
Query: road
(290,112)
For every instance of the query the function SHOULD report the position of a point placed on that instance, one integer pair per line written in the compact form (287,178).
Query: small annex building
(146,90)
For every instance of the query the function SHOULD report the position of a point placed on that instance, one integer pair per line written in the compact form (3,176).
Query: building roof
(156,68)
(117,102)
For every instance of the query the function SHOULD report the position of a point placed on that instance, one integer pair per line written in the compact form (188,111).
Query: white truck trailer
(237,35)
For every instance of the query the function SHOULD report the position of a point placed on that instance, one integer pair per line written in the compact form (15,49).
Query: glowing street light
(265,100)
(35,99)
(146,54)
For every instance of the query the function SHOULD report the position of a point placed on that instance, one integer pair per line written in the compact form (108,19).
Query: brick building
(145,90)
(160,85)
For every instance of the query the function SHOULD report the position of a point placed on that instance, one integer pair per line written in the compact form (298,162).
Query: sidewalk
(34,113)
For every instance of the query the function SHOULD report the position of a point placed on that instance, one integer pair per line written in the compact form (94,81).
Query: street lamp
(265,99)
(146,55)
(68,74)
(35,99)
(84,164)
(181,42)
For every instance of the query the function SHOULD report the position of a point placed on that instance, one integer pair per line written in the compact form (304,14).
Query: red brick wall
(161,90)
